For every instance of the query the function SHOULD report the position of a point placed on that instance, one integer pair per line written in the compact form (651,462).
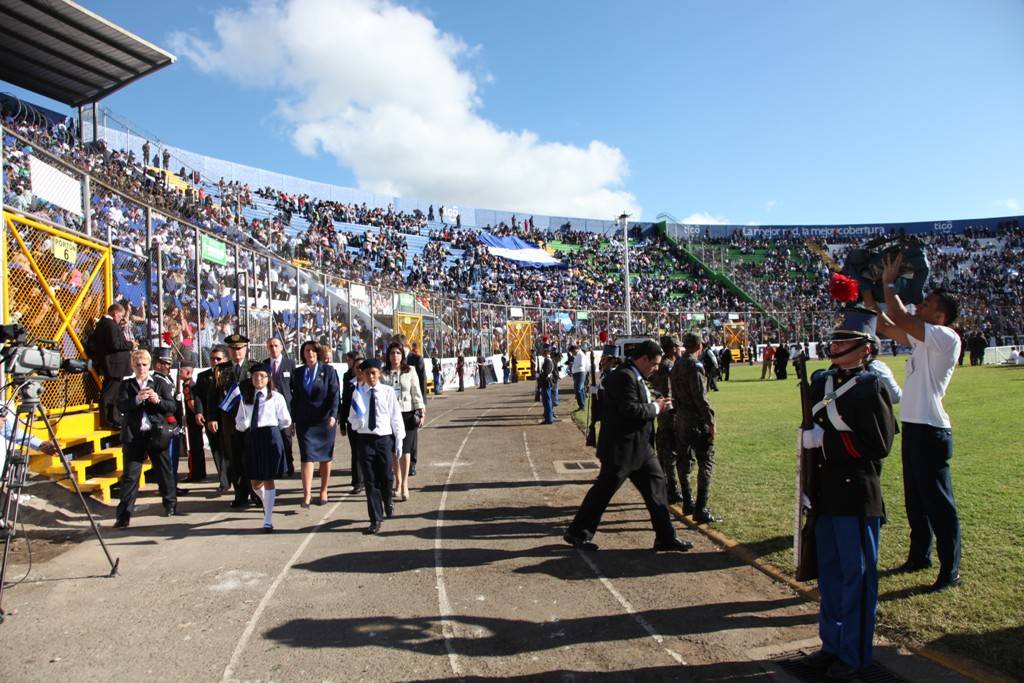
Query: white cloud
(1010,204)
(705,218)
(382,89)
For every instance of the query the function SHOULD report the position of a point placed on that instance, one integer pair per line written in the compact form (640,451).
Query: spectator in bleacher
(316,396)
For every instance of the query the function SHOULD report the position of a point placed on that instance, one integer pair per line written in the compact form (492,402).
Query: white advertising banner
(54,186)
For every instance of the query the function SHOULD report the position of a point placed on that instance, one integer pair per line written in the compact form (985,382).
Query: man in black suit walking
(625,448)
(353,359)
(415,361)
(205,412)
(281,369)
(111,356)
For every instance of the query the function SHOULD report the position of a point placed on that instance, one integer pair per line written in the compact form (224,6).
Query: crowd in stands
(360,243)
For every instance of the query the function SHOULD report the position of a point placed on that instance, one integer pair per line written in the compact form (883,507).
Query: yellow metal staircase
(96,456)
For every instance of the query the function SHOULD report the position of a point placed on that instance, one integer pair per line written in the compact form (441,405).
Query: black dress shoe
(674,544)
(122,522)
(181,492)
(944,583)
(170,511)
(705,517)
(911,566)
(819,661)
(254,500)
(412,470)
(357,489)
(389,510)
(240,503)
(579,542)
(675,498)
(372,529)
(268,529)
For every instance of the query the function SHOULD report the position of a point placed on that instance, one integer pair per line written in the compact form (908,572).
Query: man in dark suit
(200,398)
(191,428)
(281,368)
(415,361)
(144,402)
(228,378)
(111,356)
(348,385)
(625,448)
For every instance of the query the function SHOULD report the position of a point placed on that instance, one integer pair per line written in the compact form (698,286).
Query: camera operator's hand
(664,404)
(891,266)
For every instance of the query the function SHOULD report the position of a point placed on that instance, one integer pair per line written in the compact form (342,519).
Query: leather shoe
(357,489)
(944,583)
(122,522)
(240,503)
(705,517)
(841,671)
(268,529)
(170,511)
(911,566)
(389,510)
(674,498)
(181,492)
(372,529)
(412,471)
(819,661)
(675,544)
(579,542)
(687,508)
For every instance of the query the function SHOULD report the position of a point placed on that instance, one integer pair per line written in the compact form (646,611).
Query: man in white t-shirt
(579,375)
(926,436)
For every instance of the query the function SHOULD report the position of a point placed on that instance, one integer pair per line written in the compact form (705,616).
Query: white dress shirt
(389,417)
(145,425)
(273,412)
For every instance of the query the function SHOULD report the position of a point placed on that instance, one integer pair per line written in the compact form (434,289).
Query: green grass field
(753,491)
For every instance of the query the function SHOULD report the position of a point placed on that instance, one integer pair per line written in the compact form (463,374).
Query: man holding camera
(694,426)
(625,448)
(927,434)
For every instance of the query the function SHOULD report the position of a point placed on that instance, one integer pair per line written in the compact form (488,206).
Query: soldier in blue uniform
(854,429)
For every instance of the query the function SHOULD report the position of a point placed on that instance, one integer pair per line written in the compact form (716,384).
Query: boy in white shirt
(377,421)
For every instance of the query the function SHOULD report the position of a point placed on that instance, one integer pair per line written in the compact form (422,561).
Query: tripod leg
(74,482)
(13,480)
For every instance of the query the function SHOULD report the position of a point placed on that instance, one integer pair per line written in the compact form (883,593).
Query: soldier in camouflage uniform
(694,426)
(222,422)
(665,437)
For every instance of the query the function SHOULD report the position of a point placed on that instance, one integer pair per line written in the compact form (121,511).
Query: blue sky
(746,112)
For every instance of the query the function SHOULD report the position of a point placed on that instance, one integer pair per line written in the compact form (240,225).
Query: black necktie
(255,412)
(372,423)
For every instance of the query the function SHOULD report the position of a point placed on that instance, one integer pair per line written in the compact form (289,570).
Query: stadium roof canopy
(65,52)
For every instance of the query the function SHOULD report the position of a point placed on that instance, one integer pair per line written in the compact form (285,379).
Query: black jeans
(134,456)
(928,494)
(375,454)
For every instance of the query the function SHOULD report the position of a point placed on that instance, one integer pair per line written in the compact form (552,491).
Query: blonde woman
(398,375)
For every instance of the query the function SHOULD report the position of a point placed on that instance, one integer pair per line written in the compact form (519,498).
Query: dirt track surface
(470,580)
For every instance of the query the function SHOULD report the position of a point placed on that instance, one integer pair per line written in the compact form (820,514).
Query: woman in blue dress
(315,394)
(261,416)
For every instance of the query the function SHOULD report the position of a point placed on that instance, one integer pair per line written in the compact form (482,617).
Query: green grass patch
(753,491)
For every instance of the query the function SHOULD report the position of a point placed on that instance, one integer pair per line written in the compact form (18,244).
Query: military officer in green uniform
(223,399)
(694,426)
(665,437)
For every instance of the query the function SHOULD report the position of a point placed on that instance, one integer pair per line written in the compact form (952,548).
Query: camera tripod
(16,470)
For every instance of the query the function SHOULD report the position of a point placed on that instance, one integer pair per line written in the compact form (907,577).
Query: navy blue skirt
(264,454)
(316,441)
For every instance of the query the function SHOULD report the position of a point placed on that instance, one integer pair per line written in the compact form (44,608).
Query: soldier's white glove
(813,438)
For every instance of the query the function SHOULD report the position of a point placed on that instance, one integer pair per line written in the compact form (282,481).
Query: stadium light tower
(624,218)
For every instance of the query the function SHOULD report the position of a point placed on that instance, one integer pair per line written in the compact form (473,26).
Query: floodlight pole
(625,263)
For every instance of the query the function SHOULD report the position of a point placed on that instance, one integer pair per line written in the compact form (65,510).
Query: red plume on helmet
(843,288)
(603,336)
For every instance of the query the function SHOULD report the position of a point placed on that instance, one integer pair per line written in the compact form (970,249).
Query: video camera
(35,359)
(864,264)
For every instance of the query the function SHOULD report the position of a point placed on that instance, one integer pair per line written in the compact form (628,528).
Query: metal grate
(793,665)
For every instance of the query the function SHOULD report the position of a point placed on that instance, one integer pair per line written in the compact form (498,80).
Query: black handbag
(159,434)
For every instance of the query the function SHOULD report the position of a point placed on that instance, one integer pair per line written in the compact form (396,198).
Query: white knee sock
(268,505)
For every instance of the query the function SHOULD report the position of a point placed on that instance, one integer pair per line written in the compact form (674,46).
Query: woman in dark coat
(315,397)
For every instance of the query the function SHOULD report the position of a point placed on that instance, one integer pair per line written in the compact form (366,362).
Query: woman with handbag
(144,403)
(261,417)
(399,376)
(315,397)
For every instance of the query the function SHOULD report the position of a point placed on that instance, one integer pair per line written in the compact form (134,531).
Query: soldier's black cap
(163,355)
(608,350)
(857,323)
(236,341)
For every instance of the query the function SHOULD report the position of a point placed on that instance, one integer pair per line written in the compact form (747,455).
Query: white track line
(529,459)
(444,606)
(644,624)
(626,605)
(229,670)
(430,422)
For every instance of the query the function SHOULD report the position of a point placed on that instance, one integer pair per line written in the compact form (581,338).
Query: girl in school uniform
(261,416)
